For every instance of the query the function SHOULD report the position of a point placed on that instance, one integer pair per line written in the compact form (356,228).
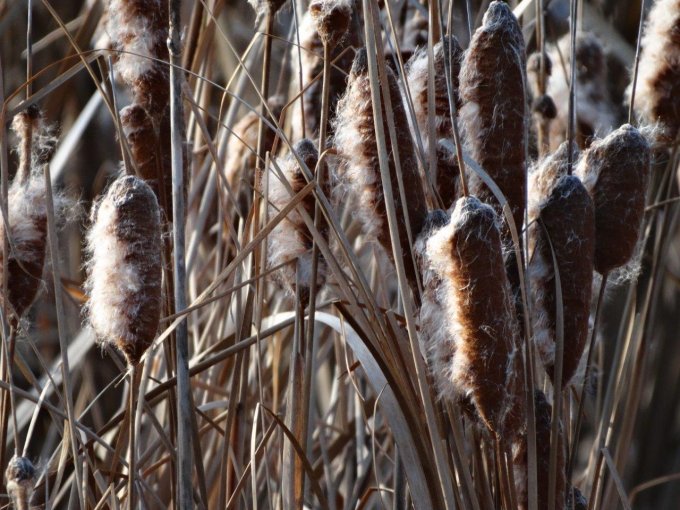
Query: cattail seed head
(543,411)
(615,171)
(447,175)
(20,476)
(332,18)
(311,62)
(417,76)
(290,240)
(124,268)
(359,172)
(266,7)
(27,212)
(567,223)
(141,138)
(493,115)
(139,30)
(595,113)
(466,256)
(657,97)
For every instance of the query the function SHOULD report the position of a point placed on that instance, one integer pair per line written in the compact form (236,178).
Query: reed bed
(339,254)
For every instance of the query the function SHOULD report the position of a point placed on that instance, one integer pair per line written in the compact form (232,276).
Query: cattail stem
(132,467)
(636,66)
(572,86)
(184,408)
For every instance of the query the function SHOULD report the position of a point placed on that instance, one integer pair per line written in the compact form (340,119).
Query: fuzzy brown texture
(447,178)
(359,172)
(20,476)
(139,29)
(242,148)
(264,7)
(568,222)
(415,30)
(124,268)
(545,107)
(493,116)
(332,18)
(467,256)
(312,67)
(615,171)
(657,98)
(543,412)
(291,242)
(417,75)
(143,142)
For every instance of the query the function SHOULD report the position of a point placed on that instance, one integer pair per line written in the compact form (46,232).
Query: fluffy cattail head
(566,226)
(493,116)
(291,241)
(312,31)
(124,268)
(20,476)
(332,18)
(141,138)
(139,30)
(657,97)
(466,256)
(615,171)
(265,7)
(359,173)
(417,75)
(543,411)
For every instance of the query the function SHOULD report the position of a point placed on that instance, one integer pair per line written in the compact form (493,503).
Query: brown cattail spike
(543,412)
(566,221)
(332,18)
(311,61)
(360,171)
(447,175)
(139,30)
(657,96)
(417,74)
(615,172)
(124,269)
(290,240)
(466,255)
(20,475)
(494,105)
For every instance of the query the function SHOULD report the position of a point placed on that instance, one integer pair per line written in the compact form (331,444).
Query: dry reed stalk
(343,33)
(493,120)
(359,174)
(124,268)
(615,171)
(595,113)
(562,218)
(139,30)
(417,72)
(543,411)
(466,255)
(290,242)
(20,475)
(657,96)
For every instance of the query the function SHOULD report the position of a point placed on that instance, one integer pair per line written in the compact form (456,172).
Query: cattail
(543,412)
(139,30)
(291,241)
(312,31)
(539,68)
(615,172)
(417,76)
(657,96)
(562,220)
(447,173)
(332,19)
(415,30)
(466,255)
(595,113)
(266,7)
(124,268)
(241,149)
(493,116)
(27,212)
(20,475)
(359,172)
